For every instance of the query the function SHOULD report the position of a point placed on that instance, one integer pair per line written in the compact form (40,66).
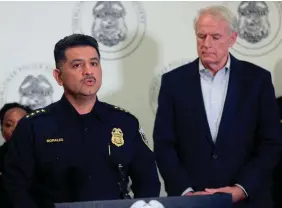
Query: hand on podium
(197,193)
(237,193)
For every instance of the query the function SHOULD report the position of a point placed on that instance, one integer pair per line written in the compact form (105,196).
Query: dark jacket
(248,145)
(57,155)
(4,201)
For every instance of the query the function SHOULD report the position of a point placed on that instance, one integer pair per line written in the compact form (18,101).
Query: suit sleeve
(143,170)
(175,177)
(19,166)
(268,146)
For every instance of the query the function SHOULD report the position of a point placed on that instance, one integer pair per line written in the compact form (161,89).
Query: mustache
(88,77)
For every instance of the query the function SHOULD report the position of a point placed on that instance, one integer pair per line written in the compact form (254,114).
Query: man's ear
(57,74)
(233,39)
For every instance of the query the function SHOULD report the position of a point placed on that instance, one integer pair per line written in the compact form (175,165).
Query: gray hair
(222,12)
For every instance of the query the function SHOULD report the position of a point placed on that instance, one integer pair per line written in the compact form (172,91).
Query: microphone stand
(123,183)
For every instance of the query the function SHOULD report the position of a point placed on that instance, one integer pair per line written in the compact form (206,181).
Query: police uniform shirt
(57,155)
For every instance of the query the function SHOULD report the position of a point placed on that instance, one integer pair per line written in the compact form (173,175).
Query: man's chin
(208,61)
(88,94)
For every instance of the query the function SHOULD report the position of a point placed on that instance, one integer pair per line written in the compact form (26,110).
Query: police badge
(36,91)
(118,26)
(109,26)
(117,137)
(30,85)
(259,26)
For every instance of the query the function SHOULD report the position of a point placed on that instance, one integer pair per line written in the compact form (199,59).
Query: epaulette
(121,109)
(35,113)
(140,130)
(112,107)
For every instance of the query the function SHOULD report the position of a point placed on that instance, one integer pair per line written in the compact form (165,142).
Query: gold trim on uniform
(54,140)
(35,113)
(121,109)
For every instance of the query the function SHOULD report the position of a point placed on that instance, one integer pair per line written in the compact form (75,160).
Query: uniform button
(57,158)
(86,129)
(214,156)
(90,177)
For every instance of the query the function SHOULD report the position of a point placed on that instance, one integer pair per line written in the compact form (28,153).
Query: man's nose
(88,70)
(208,41)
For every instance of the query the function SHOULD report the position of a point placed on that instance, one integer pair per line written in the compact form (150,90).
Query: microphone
(117,163)
(122,183)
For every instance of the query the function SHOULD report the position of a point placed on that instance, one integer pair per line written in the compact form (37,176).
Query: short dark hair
(73,41)
(9,106)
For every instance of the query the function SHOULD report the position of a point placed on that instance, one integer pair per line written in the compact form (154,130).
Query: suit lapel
(233,95)
(196,94)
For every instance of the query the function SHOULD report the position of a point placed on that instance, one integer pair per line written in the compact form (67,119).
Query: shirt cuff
(242,189)
(187,190)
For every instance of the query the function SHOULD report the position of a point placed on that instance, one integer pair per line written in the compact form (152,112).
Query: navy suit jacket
(248,145)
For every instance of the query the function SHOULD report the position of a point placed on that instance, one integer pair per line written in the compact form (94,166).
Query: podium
(204,201)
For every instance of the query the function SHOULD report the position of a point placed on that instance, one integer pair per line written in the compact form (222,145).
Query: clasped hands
(236,192)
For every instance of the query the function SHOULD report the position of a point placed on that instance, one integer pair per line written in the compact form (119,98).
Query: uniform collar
(98,111)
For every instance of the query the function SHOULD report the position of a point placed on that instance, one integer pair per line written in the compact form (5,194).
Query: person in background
(10,114)
(78,148)
(217,125)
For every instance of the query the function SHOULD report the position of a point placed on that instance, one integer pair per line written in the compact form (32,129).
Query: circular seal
(119,27)
(31,85)
(156,82)
(259,30)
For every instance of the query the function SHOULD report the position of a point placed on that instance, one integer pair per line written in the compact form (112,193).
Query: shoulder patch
(35,113)
(142,134)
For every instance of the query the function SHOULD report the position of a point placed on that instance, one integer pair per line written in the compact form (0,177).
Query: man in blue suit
(217,124)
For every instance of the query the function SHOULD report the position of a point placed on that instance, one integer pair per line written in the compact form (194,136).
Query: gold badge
(117,137)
